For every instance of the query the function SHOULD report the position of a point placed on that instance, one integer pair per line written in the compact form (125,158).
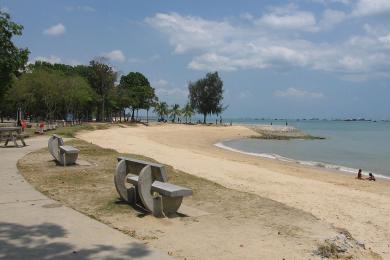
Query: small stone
(279,233)
(241,245)
(361,244)
(74,252)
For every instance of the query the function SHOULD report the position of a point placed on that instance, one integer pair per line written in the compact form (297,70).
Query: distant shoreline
(278,132)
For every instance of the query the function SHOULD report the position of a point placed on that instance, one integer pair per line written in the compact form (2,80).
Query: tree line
(94,91)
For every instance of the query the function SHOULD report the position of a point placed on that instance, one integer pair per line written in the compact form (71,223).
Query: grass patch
(328,250)
(70,131)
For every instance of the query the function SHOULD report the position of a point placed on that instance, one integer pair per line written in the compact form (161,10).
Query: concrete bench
(68,154)
(150,188)
(163,188)
(63,154)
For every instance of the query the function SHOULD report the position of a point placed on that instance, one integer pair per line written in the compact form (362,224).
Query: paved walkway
(33,226)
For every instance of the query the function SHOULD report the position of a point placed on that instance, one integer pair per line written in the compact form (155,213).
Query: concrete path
(33,226)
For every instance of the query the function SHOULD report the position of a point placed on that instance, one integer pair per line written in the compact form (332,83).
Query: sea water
(348,145)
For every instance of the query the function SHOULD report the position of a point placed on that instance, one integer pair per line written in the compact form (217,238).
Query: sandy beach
(361,207)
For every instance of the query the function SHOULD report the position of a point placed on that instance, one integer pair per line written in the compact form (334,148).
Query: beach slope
(363,208)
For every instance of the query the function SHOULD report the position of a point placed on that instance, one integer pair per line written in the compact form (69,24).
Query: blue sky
(303,58)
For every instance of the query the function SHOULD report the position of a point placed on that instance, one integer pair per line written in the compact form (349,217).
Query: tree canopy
(188,112)
(101,78)
(50,94)
(135,92)
(12,58)
(161,109)
(175,111)
(206,95)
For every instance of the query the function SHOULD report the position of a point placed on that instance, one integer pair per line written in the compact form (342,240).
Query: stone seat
(68,154)
(150,188)
(63,154)
(164,188)
(68,149)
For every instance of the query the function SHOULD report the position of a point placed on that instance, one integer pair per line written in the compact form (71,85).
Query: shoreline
(335,198)
(334,168)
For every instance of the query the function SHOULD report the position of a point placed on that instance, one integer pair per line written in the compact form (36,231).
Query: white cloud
(244,94)
(55,30)
(331,17)
(297,93)
(84,8)
(328,2)
(352,63)
(385,39)
(212,61)
(51,59)
(172,92)
(216,45)
(4,9)
(74,62)
(371,7)
(160,83)
(289,17)
(247,16)
(168,92)
(187,33)
(115,55)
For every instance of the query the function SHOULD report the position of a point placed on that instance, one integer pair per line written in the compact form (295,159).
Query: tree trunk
(132,114)
(102,119)
(147,115)
(204,118)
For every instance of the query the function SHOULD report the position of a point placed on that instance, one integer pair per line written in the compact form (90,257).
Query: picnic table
(12,134)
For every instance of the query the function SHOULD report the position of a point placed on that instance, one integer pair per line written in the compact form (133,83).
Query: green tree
(39,93)
(101,77)
(161,109)
(174,112)
(206,95)
(139,93)
(49,94)
(77,96)
(148,100)
(12,59)
(188,112)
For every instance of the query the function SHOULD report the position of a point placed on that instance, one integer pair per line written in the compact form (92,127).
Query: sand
(361,207)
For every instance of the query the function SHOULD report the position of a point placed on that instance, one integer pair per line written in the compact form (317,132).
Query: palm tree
(161,109)
(188,112)
(175,111)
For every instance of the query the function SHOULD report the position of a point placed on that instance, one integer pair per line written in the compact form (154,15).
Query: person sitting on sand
(359,175)
(371,177)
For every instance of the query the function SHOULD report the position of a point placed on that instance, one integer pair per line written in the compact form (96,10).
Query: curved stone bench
(63,154)
(150,188)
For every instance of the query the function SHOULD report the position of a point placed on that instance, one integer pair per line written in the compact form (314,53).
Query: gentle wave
(307,163)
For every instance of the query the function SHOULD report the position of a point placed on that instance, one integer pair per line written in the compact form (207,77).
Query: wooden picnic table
(12,134)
